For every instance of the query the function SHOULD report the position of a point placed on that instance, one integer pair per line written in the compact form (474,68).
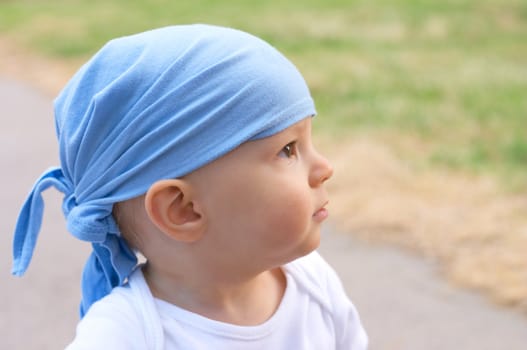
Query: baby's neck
(246,302)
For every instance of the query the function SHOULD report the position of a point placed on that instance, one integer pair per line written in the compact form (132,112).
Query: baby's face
(264,201)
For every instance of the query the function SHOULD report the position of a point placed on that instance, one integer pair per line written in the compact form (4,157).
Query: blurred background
(422,108)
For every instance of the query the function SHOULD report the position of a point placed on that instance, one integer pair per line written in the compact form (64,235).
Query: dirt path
(405,305)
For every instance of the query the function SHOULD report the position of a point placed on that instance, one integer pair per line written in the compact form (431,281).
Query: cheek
(286,229)
(280,214)
(268,211)
(290,212)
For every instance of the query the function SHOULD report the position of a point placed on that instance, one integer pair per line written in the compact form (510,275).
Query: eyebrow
(300,126)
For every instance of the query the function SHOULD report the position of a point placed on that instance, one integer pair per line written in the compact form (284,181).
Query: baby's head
(255,208)
(207,128)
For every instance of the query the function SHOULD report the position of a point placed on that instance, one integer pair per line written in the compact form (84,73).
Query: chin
(311,243)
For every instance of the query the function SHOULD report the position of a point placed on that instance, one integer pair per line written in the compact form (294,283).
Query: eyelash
(289,150)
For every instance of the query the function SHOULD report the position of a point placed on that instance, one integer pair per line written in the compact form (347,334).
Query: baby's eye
(289,150)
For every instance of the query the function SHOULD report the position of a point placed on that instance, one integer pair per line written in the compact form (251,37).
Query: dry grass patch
(474,229)
(40,71)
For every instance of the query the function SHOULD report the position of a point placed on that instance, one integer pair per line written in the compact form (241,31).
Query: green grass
(451,74)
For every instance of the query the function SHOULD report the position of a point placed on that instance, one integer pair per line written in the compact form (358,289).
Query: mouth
(321,214)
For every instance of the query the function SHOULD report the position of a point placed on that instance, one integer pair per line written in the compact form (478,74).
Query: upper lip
(322,206)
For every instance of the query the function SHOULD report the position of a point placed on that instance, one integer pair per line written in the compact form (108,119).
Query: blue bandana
(152,106)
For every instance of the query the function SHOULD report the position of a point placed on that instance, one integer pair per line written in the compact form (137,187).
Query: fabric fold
(30,218)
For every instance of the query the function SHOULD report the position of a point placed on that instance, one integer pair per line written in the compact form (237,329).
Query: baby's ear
(171,207)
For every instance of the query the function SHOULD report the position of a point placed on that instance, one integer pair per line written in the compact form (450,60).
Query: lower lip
(321,214)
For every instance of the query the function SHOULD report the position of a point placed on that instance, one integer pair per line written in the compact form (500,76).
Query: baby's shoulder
(315,275)
(114,322)
(312,267)
(118,304)
(116,310)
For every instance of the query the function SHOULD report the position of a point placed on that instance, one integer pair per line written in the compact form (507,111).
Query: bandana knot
(111,259)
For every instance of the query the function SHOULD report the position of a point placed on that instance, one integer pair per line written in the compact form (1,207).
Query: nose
(321,170)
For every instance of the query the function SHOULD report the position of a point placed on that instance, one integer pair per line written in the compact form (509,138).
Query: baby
(191,145)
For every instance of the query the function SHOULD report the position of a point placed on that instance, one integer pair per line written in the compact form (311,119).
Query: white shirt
(314,313)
